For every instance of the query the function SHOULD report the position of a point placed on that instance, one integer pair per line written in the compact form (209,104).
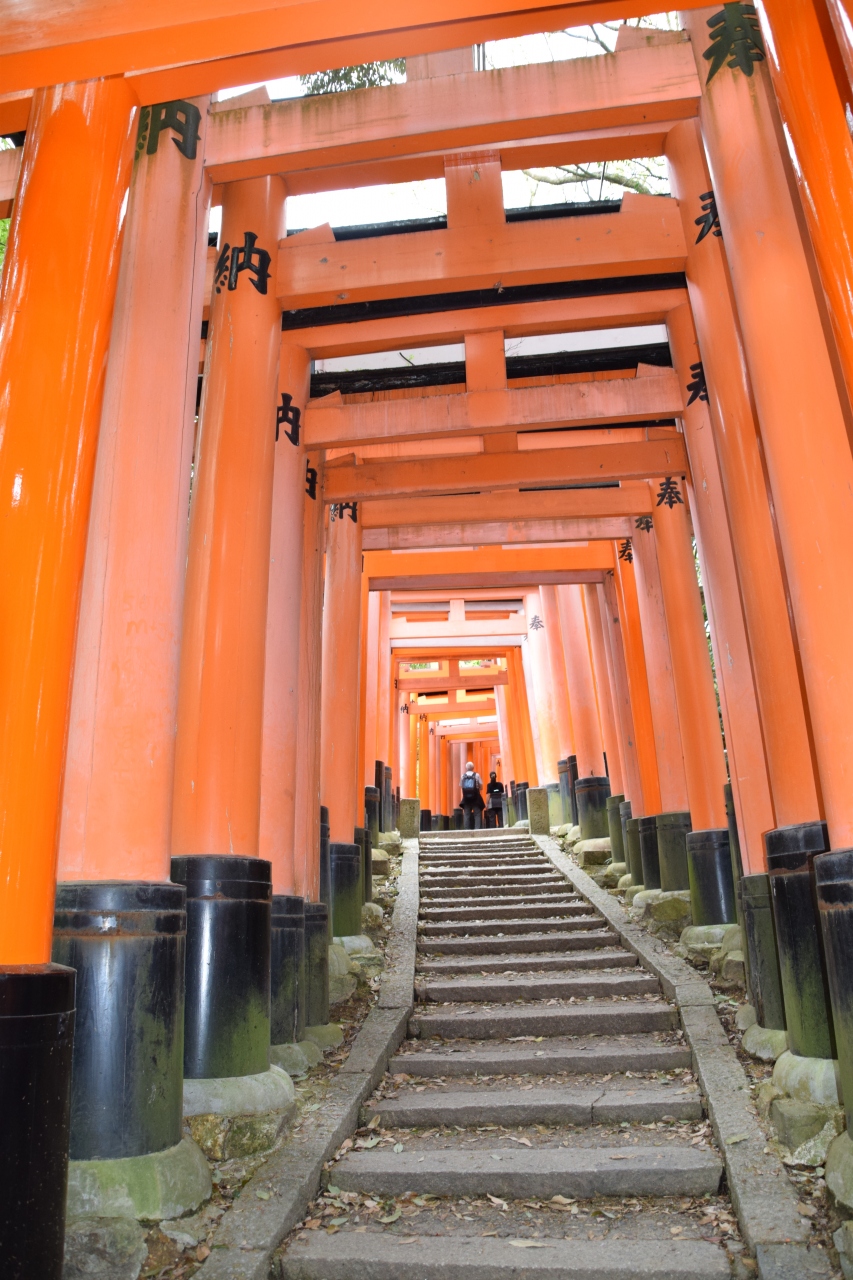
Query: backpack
(469,785)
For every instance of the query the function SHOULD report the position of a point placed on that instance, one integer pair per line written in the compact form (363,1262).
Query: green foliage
(370,75)
(4,238)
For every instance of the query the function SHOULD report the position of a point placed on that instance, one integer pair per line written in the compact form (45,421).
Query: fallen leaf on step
(312,1224)
(393,1216)
(398,1147)
(737,1137)
(501,1204)
(374,1123)
(561,1200)
(202,1252)
(525,1142)
(807,1210)
(621,1156)
(409,1240)
(529,1244)
(262,1195)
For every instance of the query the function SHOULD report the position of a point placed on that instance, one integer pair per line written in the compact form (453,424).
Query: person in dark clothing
(472,803)
(493,816)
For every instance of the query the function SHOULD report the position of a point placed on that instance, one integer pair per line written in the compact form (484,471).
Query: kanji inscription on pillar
(311,481)
(668,493)
(289,417)
(536,623)
(338,509)
(698,387)
(182,118)
(233,261)
(736,39)
(626,552)
(644,523)
(709,220)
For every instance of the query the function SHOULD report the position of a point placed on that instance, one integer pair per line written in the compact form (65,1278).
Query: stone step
(484,884)
(502,1021)
(347,1256)
(488,869)
(473,893)
(603,1056)
(508,852)
(542,1172)
(538,988)
(498,928)
(606,958)
(564,906)
(580,1106)
(527,942)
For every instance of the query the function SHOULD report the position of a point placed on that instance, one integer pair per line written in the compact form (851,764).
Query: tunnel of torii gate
(619,578)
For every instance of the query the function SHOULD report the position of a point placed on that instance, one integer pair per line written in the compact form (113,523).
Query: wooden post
(587,730)
(55,314)
(811,472)
(339,783)
(306,837)
(279,796)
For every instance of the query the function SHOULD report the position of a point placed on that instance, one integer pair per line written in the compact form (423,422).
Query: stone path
(542,1119)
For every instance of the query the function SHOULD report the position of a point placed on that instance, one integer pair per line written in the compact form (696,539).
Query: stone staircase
(542,1119)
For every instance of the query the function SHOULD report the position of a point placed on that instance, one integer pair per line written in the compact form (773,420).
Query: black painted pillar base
(614,827)
(287,969)
(834,884)
(326,864)
(127,941)
(426,820)
(709,865)
(762,955)
(229,918)
(591,796)
(372,813)
(346,889)
(36,1046)
(791,852)
(316,964)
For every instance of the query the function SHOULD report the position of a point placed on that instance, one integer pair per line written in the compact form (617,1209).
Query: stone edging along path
(763,1198)
(255,1225)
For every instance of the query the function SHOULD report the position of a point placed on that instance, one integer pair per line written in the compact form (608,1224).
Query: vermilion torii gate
(179,697)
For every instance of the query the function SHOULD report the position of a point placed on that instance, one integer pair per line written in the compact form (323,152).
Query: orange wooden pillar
(603,690)
(504,735)
(412,781)
(381,681)
(339,783)
(765,605)
(625,592)
(306,837)
(220,705)
(117,790)
(444,791)
(704,766)
(803,71)
(670,757)
(585,722)
(557,663)
(58,289)
(401,762)
(613,643)
(811,472)
(539,693)
(423,760)
(747,763)
(279,796)
(368,721)
(55,313)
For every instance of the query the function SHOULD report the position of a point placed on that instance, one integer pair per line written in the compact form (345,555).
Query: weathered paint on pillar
(279,796)
(673,784)
(704,766)
(341,665)
(306,826)
(625,590)
(587,730)
(562,700)
(412,780)
(117,790)
(444,789)
(221,693)
(539,694)
(772,645)
(603,690)
(612,632)
(55,313)
(735,681)
(811,472)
